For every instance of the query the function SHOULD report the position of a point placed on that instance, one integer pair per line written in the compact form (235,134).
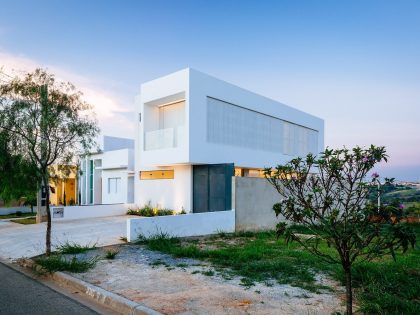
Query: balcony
(164,138)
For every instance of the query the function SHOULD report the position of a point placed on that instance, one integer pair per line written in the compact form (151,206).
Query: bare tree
(49,122)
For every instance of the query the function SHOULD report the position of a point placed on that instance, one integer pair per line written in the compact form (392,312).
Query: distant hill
(410,197)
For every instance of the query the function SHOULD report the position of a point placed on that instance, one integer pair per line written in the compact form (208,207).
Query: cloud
(111,114)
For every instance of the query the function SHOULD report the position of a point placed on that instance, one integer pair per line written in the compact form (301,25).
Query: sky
(356,64)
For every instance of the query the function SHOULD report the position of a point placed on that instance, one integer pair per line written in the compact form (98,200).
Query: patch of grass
(382,286)
(182,265)
(55,263)
(208,273)
(74,248)
(25,221)
(17,215)
(123,238)
(111,253)
(195,272)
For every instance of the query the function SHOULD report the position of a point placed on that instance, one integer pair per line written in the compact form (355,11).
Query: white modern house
(107,176)
(195,132)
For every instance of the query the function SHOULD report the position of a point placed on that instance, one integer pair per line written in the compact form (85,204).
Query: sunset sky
(355,64)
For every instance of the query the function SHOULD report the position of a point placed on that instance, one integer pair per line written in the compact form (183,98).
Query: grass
(58,262)
(111,254)
(381,287)
(17,215)
(74,248)
(25,221)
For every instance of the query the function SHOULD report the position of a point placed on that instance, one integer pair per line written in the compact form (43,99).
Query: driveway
(17,240)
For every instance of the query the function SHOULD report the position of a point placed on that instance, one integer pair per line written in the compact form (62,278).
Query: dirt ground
(186,286)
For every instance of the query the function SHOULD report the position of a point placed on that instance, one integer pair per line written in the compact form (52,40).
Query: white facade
(107,177)
(189,118)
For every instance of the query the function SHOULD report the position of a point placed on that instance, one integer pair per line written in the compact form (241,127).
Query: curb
(116,302)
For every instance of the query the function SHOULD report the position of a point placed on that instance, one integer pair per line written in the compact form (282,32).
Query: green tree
(18,180)
(49,123)
(328,195)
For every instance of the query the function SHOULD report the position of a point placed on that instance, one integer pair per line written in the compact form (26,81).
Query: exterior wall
(182,225)
(203,86)
(109,197)
(96,211)
(109,164)
(10,210)
(175,194)
(166,89)
(253,199)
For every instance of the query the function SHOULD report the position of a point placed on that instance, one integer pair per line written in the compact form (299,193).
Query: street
(20,294)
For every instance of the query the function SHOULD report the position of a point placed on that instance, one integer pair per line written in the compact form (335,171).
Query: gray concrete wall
(253,200)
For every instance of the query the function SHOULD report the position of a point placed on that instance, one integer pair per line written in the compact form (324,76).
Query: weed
(55,263)
(208,273)
(258,291)
(74,248)
(182,265)
(111,254)
(124,239)
(195,272)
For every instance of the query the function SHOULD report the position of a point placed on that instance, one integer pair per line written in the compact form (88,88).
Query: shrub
(18,213)
(149,211)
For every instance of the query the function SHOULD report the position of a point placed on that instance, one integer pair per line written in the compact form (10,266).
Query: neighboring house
(107,177)
(195,132)
(63,185)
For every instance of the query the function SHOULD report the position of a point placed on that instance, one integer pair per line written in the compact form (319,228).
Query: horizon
(355,65)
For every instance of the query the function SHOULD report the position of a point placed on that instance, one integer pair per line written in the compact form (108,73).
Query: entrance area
(212,187)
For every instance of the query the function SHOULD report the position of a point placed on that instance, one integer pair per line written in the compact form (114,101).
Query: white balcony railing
(163,138)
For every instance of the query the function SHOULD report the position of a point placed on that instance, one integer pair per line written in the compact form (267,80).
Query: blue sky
(354,63)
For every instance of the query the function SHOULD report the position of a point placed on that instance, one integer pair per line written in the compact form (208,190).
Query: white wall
(112,197)
(10,210)
(203,86)
(182,225)
(173,194)
(169,88)
(82,212)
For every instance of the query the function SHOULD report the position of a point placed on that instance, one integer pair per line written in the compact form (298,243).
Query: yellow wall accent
(60,184)
(161,174)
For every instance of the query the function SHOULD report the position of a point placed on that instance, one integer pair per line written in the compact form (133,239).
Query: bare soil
(187,286)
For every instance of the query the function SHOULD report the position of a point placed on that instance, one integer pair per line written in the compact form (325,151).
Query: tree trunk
(349,293)
(47,207)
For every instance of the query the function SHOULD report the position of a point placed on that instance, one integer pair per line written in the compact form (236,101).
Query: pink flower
(365,159)
(402,206)
(375,175)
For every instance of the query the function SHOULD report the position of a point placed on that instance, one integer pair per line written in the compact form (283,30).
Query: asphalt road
(20,294)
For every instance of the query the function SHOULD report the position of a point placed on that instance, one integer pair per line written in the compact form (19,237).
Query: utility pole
(41,215)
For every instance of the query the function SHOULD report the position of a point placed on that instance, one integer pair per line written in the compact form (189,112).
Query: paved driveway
(17,240)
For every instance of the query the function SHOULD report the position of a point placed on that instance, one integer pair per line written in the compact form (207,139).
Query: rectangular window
(114,185)
(163,174)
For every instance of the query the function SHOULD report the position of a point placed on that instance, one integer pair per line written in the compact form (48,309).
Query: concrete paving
(17,240)
(20,294)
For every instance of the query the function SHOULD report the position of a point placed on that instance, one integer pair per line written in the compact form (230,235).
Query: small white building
(195,132)
(107,176)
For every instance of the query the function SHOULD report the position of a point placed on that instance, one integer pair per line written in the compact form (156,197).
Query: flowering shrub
(149,211)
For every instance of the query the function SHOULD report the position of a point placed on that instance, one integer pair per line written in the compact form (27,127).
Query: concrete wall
(202,86)
(173,194)
(253,199)
(82,212)
(110,197)
(182,225)
(10,210)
